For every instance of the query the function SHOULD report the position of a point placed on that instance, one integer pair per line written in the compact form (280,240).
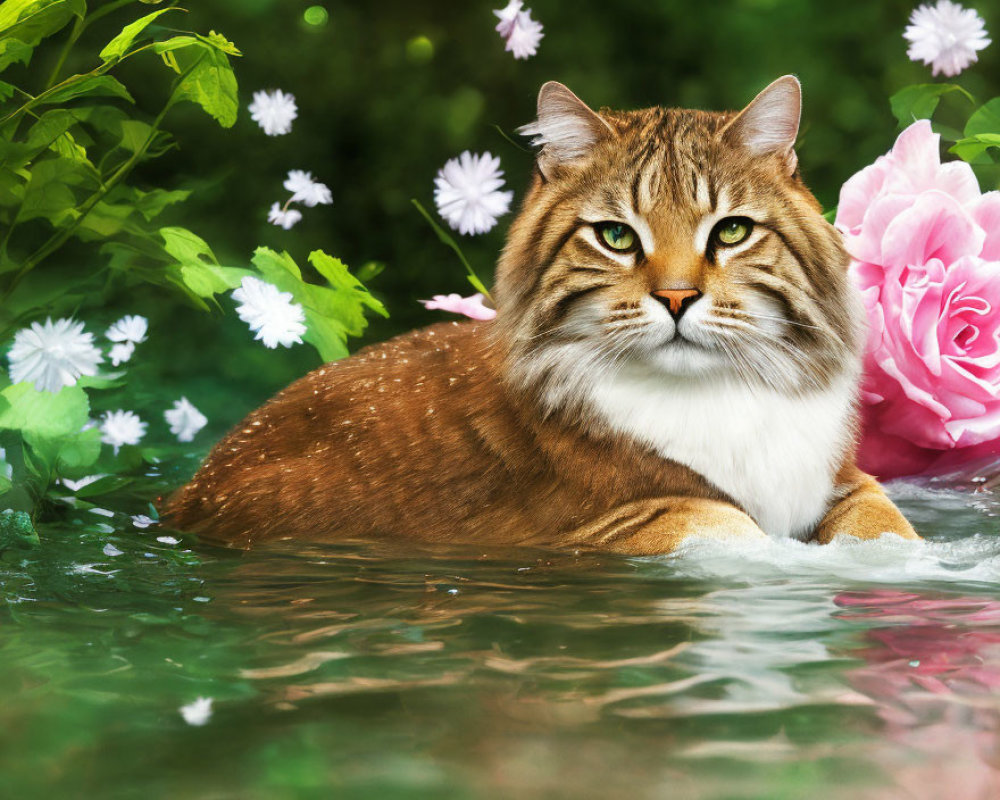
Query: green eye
(616,236)
(733,230)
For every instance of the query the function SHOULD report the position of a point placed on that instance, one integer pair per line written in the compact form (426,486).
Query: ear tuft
(566,128)
(770,124)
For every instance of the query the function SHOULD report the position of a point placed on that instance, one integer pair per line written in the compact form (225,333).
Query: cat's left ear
(770,124)
(566,129)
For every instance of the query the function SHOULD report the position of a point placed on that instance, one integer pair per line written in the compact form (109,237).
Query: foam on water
(968,554)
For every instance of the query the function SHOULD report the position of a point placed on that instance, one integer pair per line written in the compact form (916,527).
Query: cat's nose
(677,301)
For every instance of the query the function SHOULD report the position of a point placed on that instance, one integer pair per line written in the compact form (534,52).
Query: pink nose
(677,300)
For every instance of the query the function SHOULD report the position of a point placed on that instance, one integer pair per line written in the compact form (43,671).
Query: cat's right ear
(566,129)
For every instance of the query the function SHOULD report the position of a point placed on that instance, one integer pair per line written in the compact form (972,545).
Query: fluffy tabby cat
(676,353)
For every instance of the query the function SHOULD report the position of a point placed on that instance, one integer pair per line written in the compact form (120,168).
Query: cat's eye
(732,230)
(617,236)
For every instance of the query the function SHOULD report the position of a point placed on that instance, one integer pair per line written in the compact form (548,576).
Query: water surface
(774,671)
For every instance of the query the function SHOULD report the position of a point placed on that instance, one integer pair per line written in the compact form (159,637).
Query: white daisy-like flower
(307,191)
(198,712)
(269,312)
(130,328)
(525,36)
(468,192)
(121,352)
(111,550)
(274,111)
(121,427)
(946,36)
(521,33)
(184,420)
(53,355)
(508,16)
(142,521)
(285,217)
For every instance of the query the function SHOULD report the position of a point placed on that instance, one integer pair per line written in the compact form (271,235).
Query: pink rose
(472,306)
(925,247)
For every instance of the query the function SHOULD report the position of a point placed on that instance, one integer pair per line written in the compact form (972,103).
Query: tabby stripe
(633,526)
(562,306)
(553,252)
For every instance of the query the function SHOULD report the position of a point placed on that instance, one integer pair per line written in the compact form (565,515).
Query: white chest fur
(776,455)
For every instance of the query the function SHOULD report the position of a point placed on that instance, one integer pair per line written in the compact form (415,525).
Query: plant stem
(450,242)
(57,240)
(78,27)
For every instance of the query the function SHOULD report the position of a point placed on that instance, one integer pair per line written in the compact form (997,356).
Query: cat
(676,352)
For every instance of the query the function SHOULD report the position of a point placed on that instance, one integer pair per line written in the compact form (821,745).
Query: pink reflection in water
(933,669)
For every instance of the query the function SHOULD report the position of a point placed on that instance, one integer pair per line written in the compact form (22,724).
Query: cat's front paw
(865,513)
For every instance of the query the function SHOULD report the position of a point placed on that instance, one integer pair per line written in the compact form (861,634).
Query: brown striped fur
(483,432)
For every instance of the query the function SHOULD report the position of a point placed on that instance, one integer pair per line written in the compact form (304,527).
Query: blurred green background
(388,92)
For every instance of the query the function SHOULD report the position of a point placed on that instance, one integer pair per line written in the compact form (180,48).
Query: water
(777,671)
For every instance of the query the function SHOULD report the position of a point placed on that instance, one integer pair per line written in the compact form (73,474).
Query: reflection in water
(933,664)
(781,670)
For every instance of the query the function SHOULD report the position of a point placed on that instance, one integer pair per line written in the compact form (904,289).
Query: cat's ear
(566,128)
(770,124)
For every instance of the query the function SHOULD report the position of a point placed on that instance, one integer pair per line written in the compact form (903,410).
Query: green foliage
(77,228)
(17,530)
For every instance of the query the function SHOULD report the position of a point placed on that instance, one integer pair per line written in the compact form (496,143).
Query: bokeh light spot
(420,49)
(316,16)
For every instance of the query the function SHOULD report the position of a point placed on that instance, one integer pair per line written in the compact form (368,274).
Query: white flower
(121,427)
(111,550)
(142,521)
(75,486)
(507,17)
(521,33)
(130,328)
(121,352)
(946,36)
(467,193)
(307,191)
(168,540)
(198,712)
(53,355)
(285,217)
(272,314)
(184,420)
(273,111)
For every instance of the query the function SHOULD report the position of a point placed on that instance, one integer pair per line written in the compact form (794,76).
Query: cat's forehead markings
(723,209)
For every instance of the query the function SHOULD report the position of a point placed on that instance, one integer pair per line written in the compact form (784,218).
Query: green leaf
(6,91)
(151,204)
(186,246)
(118,46)
(76,454)
(105,220)
(972,147)
(174,43)
(208,81)
(87,86)
(49,192)
(44,414)
(17,530)
(220,42)
(920,101)
(24,23)
(13,51)
(333,312)
(985,119)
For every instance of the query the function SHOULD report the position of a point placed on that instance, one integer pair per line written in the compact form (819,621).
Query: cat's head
(675,241)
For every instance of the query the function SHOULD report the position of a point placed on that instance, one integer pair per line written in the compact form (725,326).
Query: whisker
(738,312)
